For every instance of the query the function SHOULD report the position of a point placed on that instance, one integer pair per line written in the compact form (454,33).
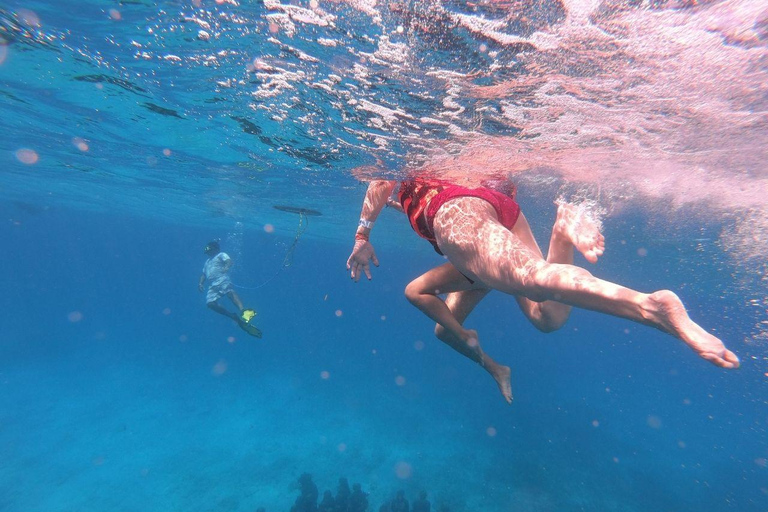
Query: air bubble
(27,156)
(403,470)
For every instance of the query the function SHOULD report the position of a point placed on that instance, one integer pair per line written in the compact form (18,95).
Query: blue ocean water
(119,390)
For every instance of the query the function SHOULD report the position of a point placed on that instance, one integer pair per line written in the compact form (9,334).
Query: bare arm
(375,200)
(201,282)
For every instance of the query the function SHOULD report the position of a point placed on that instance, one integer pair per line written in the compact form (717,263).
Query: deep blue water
(116,412)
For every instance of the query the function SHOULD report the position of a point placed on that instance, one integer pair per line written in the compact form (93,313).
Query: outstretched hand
(358,261)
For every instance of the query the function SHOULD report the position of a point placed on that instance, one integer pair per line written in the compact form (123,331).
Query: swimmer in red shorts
(490,246)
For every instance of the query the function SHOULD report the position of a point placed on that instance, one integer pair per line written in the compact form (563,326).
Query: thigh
(463,303)
(462,295)
(468,232)
(444,279)
(523,231)
(213,295)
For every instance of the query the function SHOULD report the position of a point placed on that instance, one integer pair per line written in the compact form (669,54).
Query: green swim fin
(245,323)
(251,329)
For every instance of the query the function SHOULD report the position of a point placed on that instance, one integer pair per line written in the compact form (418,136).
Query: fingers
(355,274)
(364,266)
(356,267)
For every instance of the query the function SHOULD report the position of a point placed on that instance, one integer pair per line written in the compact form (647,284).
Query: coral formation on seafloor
(352,500)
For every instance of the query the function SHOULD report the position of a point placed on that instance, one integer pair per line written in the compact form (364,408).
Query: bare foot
(666,312)
(576,224)
(501,374)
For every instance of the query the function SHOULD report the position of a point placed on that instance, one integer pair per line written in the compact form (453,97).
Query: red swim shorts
(507,209)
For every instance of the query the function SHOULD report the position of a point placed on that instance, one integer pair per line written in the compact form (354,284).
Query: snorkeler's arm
(201,282)
(375,200)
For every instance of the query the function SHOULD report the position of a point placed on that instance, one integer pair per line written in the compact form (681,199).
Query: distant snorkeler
(489,246)
(216,272)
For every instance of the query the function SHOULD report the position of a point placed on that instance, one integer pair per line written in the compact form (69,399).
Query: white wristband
(367,224)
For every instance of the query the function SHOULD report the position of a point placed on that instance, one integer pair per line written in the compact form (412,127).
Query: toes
(727,360)
(592,255)
(507,393)
(713,358)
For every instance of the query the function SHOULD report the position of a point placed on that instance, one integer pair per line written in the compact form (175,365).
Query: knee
(413,293)
(551,324)
(548,316)
(211,305)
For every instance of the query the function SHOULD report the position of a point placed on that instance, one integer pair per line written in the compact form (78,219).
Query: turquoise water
(119,390)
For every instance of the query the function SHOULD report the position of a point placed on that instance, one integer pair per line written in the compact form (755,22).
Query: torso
(214,268)
(414,197)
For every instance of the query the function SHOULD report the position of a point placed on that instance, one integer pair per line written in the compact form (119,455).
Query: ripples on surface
(657,103)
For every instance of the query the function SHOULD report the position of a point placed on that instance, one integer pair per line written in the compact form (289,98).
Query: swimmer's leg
(573,229)
(461,305)
(218,308)
(469,234)
(549,315)
(450,314)
(235,298)
(423,292)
